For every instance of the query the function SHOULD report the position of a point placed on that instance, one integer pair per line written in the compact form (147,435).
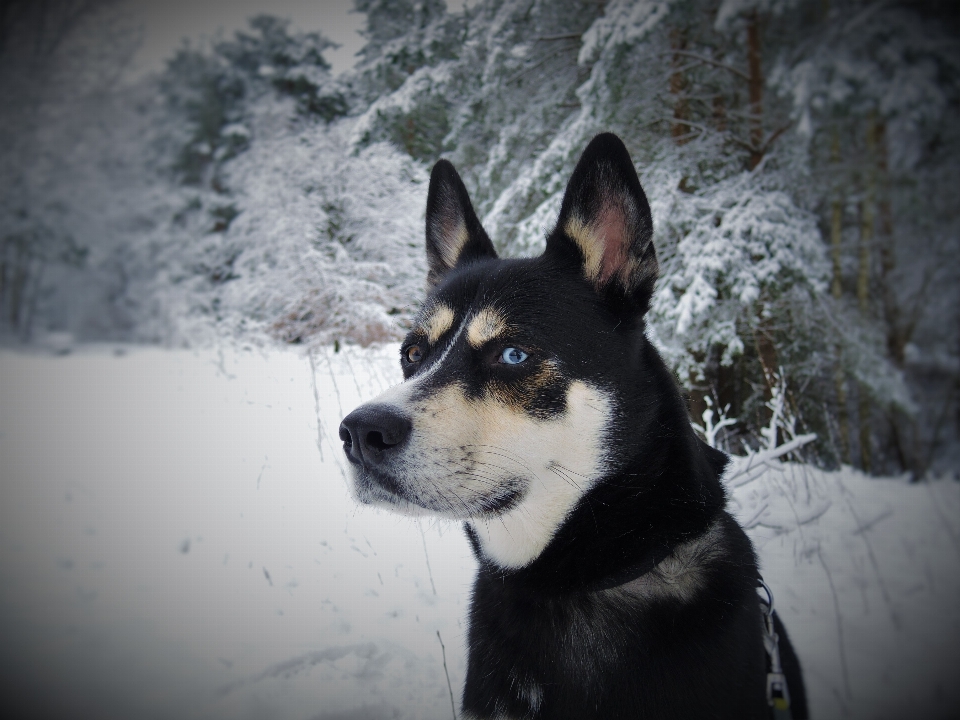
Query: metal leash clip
(778,696)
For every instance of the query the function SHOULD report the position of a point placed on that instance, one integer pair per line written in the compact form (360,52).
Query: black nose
(370,432)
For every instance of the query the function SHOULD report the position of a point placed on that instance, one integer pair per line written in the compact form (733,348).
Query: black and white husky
(612,581)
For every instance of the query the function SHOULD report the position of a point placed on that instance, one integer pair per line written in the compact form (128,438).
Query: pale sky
(166,22)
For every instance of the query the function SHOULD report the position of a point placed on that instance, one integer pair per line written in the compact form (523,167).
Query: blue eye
(513,356)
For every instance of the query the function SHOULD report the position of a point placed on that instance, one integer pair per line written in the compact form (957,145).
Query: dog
(612,582)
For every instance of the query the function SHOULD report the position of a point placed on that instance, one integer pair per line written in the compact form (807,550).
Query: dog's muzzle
(372,434)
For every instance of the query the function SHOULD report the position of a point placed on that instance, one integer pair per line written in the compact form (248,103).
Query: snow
(623,22)
(865,575)
(729,9)
(177,540)
(173,544)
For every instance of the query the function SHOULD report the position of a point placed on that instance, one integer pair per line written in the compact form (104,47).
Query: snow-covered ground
(177,540)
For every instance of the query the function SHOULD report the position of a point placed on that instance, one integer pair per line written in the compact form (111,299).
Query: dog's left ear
(605,223)
(454,234)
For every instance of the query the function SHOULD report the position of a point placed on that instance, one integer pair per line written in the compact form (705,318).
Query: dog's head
(523,377)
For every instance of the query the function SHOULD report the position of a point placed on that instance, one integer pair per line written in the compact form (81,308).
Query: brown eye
(414,354)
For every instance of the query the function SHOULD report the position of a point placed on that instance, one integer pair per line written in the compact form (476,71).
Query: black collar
(633,571)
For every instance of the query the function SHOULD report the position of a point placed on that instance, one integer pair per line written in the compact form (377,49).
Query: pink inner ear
(611,227)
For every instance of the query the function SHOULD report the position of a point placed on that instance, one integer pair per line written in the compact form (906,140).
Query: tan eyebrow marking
(486,325)
(439,321)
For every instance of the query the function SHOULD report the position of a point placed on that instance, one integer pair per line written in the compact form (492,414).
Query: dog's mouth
(507,498)
(386,484)
(376,487)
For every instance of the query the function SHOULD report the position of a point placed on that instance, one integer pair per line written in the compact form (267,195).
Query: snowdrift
(177,540)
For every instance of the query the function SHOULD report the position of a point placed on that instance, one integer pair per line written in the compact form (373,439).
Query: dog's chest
(625,652)
(530,654)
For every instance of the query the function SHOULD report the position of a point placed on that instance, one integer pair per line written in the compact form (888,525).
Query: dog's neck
(623,529)
(565,463)
(679,570)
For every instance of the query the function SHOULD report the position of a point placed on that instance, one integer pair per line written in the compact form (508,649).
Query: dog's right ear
(454,234)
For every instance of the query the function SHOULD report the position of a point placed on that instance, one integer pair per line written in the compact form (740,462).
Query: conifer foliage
(800,158)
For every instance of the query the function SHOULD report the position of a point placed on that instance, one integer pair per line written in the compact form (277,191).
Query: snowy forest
(204,268)
(801,158)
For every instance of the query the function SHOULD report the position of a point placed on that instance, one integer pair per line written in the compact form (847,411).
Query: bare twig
(919,304)
(333,379)
(336,389)
(443,651)
(938,426)
(836,610)
(353,373)
(758,459)
(708,61)
(862,528)
(773,137)
(262,468)
(696,126)
(427,557)
(862,531)
(762,150)
(316,404)
(543,61)
(564,36)
(737,141)
(944,521)
(863,16)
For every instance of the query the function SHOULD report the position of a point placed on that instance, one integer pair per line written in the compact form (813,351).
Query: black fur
(564,636)
(448,205)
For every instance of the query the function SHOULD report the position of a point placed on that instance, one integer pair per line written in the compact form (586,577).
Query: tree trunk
(866,444)
(898,333)
(836,216)
(863,268)
(26,328)
(767,353)
(3,277)
(755,88)
(896,338)
(839,377)
(836,289)
(720,112)
(956,385)
(18,283)
(17,288)
(836,242)
(678,88)
(867,230)
(843,414)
